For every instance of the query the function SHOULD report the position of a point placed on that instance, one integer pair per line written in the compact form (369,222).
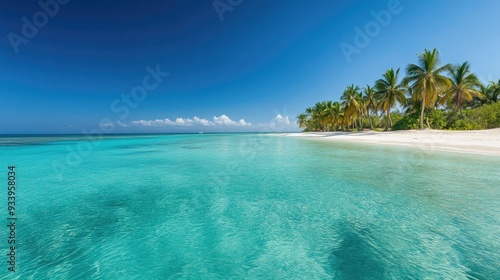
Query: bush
(437,120)
(375,121)
(484,117)
(395,117)
(406,122)
(464,124)
(381,122)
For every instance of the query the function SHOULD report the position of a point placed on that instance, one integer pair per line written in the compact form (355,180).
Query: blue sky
(254,70)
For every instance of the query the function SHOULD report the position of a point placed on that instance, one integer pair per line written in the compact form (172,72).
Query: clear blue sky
(264,59)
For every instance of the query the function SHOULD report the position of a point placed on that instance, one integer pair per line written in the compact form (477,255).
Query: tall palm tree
(350,101)
(493,92)
(412,103)
(464,87)
(426,79)
(312,122)
(302,120)
(490,93)
(362,108)
(370,102)
(318,116)
(390,92)
(333,113)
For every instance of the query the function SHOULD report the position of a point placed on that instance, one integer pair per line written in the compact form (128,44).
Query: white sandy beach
(485,142)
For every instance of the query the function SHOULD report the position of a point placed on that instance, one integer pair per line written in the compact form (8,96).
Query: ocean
(247,206)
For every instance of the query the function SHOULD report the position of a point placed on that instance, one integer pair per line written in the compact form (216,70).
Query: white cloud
(177,122)
(223,120)
(243,123)
(279,118)
(181,121)
(280,123)
(203,122)
(277,124)
(156,122)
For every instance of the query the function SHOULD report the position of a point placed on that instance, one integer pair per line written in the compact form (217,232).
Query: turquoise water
(250,206)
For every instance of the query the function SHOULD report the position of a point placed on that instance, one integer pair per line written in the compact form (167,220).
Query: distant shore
(484,142)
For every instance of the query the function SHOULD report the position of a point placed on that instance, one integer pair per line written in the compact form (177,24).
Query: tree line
(429,90)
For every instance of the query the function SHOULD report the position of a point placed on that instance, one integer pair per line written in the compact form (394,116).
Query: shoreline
(480,142)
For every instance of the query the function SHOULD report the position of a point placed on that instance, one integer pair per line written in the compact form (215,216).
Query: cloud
(279,118)
(181,121)
(203,122)
(280,123)
(156,122)
(225,120)
(222,120)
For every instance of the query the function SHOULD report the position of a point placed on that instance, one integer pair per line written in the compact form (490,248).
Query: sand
(484,142)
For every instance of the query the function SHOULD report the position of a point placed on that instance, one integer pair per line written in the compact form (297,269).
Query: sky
(70,66)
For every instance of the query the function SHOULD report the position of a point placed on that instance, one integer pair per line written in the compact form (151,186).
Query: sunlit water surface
(250,206)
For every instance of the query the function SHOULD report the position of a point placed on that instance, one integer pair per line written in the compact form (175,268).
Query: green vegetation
(430,95)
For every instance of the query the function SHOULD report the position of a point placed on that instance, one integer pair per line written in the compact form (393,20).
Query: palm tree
(362,109)
(317,117)
(426,79)
(339,114)
(390,92)
(350,101)
(302,120)
(320,114)
(412,103)
(311,122)
(493,92)
(464,87)
(370,102)
(333,113)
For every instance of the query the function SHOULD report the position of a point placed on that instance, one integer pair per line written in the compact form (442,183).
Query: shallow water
(233,206)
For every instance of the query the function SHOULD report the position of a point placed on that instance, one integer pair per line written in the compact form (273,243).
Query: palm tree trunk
(422,113)
(388,119)
(370,118)
(459,105)
(452,117)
